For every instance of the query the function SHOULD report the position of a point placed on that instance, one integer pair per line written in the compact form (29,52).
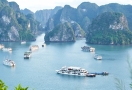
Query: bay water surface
(39,73)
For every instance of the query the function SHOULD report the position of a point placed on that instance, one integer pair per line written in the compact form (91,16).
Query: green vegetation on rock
(63,32)
(109,28)
(15,26)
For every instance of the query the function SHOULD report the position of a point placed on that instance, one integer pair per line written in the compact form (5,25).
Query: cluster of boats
(78,71)
(27,54)
(32,48)
(91,49)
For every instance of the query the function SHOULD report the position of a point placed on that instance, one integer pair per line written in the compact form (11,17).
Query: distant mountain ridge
(85,15)
(42,15)
(26,11)
(86,12)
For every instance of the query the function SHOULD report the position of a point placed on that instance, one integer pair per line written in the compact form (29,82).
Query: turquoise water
(39,71)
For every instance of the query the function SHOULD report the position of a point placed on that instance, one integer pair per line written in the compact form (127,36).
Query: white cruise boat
(76,71)
(1,46)
(88,49)
(34,47)
(7,49)
(27,54)
(98,57)
(8,62)
(23,42)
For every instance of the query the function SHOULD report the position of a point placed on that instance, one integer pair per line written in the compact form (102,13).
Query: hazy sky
(35,5)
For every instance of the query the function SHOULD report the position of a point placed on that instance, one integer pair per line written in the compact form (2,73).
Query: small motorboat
(9,62)
(98,57)
(27,54)
(23,42)
(7,49)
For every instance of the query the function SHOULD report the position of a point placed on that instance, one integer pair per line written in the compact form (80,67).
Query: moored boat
(23,42)
(98,57)
(7,49)
(9,62)
(88,49)
(34,47)
(27,54)
(76,71)
(1,46)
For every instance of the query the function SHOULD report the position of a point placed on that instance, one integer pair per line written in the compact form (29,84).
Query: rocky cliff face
(9,26)
(122,24)
(67,14)
(109,28)
(65,32)
(14,6)
(43,15)
(86,12)
(26,11)
(15,26)
(108,21)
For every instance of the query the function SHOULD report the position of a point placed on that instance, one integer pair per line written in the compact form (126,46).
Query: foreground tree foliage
(4,87)
(119,84)
(19,87)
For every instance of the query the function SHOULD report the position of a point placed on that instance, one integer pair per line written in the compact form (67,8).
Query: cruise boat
(27,54)
(8,62)
(7,49)
(88,49)
(1,46)
(76,71)
(34,47)
(98,57)
(23,42)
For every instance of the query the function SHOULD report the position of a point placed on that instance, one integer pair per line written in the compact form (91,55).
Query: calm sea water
(39,71)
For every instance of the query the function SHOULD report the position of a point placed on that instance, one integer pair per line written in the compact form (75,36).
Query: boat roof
(74,67)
